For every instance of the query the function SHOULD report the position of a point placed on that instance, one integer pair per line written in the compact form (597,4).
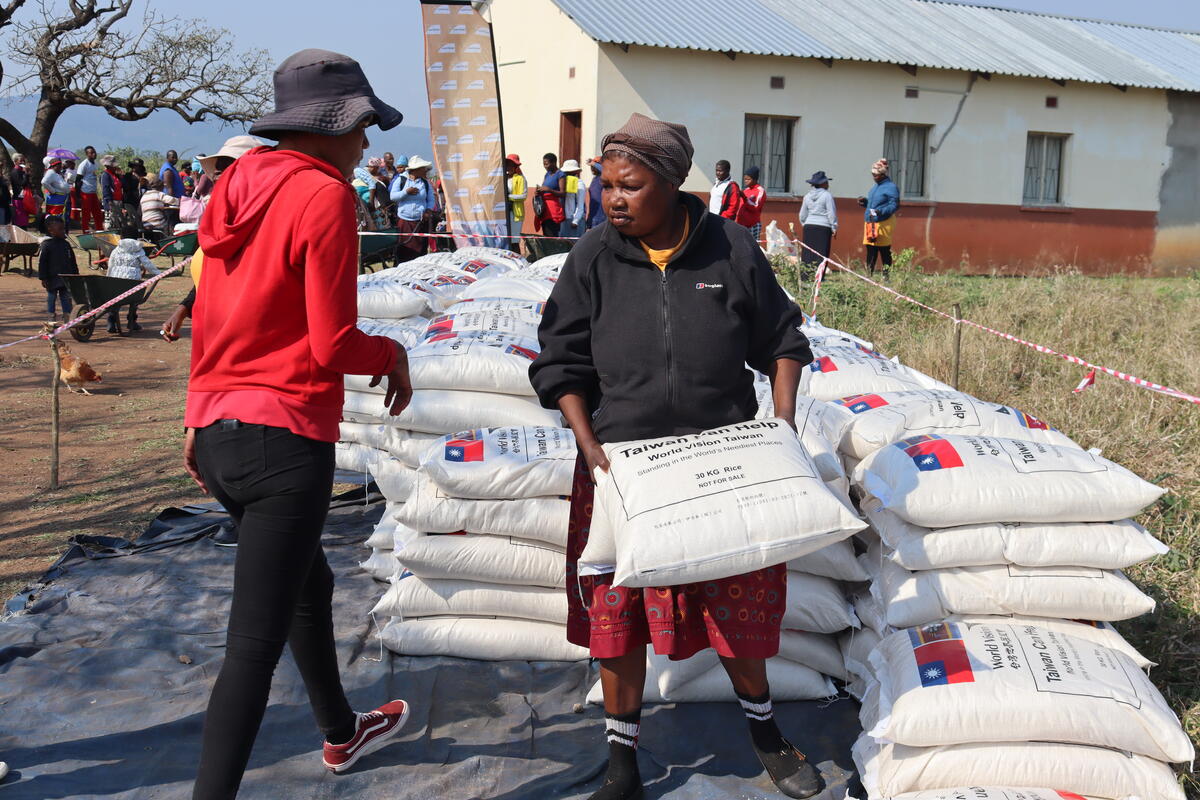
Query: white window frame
(899,170)
(765,175)
(1046,137)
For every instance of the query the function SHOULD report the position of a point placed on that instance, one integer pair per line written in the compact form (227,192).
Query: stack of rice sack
(816,533)
(991,535)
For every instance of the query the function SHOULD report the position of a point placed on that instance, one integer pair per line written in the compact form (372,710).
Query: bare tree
(90,54)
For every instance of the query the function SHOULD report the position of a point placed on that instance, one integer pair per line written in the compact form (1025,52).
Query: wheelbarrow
(180,246)
(89,243)
(375,250)
(93,291)
(107,242)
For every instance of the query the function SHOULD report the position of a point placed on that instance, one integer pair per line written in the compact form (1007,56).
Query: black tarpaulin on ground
(105,674)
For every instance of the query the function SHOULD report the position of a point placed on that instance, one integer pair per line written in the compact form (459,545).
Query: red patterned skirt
(739,617)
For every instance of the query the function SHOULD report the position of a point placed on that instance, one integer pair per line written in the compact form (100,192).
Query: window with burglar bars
(1043,169)
(768,146)
(906,147)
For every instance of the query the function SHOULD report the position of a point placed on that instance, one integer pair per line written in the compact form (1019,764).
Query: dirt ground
(120,449)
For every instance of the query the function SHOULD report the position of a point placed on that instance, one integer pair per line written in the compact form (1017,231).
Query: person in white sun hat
(575,206)
(415,203)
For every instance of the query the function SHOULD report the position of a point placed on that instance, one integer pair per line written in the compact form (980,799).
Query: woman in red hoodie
(273,335)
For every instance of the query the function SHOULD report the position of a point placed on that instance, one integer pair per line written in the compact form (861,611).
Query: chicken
(74,371)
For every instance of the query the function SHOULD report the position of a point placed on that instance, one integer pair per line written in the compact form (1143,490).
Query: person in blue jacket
(879,217)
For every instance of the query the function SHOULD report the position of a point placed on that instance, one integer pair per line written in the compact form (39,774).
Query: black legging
(884,251)
(276,485)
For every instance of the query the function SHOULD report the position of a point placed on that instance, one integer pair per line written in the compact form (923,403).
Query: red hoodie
(273,328)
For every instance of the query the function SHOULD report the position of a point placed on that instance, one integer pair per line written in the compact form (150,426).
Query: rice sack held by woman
(647,334)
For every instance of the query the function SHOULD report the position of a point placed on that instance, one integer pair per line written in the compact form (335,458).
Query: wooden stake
(957,346)
(54,416)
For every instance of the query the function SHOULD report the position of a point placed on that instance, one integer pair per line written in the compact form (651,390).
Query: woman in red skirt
(647,334)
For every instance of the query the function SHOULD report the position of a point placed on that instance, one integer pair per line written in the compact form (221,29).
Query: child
(128,260)
(56,258)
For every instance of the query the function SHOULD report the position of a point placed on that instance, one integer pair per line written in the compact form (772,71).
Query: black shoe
(134,327)
(226,537)
(790,771)
(113,329)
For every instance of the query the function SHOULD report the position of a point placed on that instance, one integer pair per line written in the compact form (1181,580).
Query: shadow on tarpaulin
(107,663)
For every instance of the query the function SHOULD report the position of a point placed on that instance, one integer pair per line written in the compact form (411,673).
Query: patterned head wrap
(880,167)
(374,163)
(662,146)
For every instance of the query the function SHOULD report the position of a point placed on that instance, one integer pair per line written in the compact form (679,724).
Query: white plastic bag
(945,481)
(720,503)
(778,243)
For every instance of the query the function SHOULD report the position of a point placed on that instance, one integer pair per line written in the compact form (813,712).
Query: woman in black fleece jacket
(647,334)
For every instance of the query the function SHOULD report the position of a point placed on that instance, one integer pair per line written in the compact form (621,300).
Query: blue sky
(385,35)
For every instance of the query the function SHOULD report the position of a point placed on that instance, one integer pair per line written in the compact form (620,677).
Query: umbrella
(63,153)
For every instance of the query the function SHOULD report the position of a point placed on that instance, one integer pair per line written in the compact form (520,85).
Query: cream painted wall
(1115,155)
(536,46)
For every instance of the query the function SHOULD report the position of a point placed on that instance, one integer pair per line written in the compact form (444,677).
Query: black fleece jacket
(665,353)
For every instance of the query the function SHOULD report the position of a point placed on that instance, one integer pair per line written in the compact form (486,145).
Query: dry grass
(1148,327)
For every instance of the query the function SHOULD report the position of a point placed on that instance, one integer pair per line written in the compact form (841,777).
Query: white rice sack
(504,463)
(513,286)
(715,504)
(946,481)
(411,597)
(842,370)
(1103,545)
(918,598)
(991,793)
(835,561)
(856,647)
(870,611)
(485,266)
(814,650)
(490,559)
(528,311)
(381,537)
(815,331)
(363,408)
(410,446)
(495,254)
(789,681)
(817,605)
(481,639)
(444,411)
(356,457)
(475,361)
(370,434)
(547,266)
(820,425)
(381,565)
(951,683)
(460,320)
(405,331)
(429,509)
(396,481)
(390,300)
(888,771)
(881,418)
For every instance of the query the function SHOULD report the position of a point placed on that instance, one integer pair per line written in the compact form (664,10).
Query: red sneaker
(375,729)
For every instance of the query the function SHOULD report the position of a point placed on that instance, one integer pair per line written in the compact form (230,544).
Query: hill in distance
(165,130)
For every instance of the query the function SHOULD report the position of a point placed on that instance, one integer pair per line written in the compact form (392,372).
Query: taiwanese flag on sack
(523,352)
(1069,796)
(823,364)
(1030,421)
(462,450)
(941,655)
(440,325)
(932,453)
(858,403)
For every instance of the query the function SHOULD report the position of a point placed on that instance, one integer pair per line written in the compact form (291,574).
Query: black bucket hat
(318,91)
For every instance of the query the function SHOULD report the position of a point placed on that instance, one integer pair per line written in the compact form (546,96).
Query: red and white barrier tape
(89,315)
(1136,381)
(817,280)
(397,235)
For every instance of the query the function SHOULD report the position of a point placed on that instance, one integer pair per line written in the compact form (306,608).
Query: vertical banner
(465,122)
